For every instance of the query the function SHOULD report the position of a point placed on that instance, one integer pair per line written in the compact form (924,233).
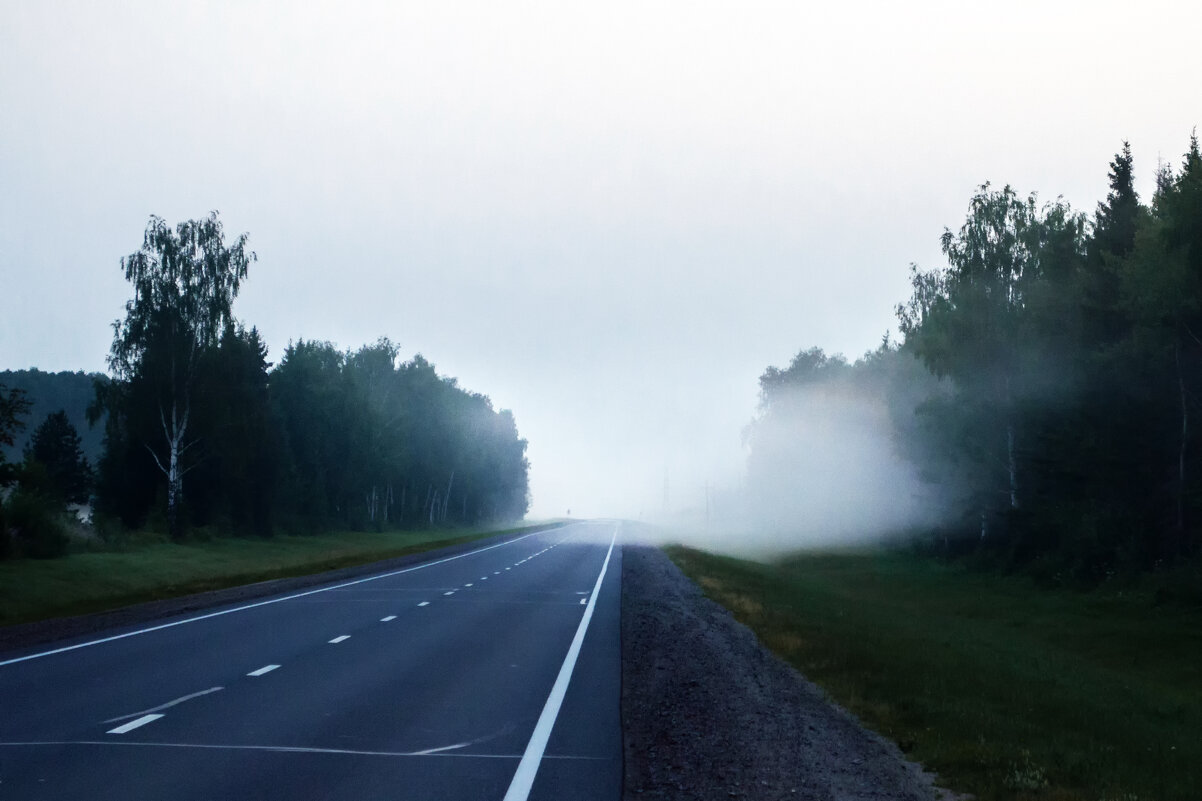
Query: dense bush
(36,525)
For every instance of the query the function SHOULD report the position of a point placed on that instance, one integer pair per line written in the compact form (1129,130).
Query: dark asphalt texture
(437,703)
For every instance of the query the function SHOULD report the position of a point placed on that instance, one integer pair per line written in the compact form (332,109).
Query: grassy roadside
(1005,690)
(33,589)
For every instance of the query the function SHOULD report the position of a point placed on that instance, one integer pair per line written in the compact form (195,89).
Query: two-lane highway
(493,674)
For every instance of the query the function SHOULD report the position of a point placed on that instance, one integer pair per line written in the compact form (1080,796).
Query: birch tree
(973,323)
(185,280)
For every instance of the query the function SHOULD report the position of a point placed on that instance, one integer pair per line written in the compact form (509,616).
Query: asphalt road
(494,674)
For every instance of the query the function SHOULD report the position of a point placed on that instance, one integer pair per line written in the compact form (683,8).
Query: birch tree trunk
(174,433)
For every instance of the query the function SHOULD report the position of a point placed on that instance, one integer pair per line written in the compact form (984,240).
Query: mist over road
(490,674)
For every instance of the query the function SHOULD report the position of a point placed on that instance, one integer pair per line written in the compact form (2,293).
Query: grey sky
(609,217)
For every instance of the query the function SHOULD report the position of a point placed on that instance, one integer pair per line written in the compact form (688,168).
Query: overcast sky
(609,217)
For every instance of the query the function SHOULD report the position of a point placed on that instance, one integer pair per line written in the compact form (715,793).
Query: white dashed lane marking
(386,619)
(339,639)
(452,592)
(262,670)
(424,603)
(257,604)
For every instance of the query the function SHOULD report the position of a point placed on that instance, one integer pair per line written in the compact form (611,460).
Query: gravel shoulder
(708,712)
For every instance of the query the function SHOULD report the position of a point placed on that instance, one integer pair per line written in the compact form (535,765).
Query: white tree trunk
(174,433)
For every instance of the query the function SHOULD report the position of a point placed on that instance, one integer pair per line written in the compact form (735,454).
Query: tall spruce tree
(57,449)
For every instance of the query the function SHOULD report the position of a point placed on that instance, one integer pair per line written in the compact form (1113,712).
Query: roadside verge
(59,628)
(708,712)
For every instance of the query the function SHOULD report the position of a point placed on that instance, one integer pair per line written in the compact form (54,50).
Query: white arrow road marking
(133,724)
(167,705)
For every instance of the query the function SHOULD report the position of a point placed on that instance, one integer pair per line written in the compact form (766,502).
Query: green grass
(35,589)
(1005,690)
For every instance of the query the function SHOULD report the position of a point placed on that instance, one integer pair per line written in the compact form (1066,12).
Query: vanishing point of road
(491,674)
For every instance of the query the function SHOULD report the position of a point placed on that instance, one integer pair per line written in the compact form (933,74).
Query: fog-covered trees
(375,441)
(326,438)
(1057,408)
(998,323)
(1072,354)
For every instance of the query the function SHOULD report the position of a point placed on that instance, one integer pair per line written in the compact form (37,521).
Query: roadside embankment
(708,712)
(1006,690)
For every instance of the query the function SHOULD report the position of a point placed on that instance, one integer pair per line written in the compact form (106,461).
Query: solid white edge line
(133,724)
(262,670)
(523,777)
(257,604)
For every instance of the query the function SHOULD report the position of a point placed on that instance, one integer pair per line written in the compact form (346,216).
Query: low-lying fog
(822,469)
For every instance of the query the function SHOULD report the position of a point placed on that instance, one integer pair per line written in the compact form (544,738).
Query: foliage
(35,524)
(1056,417)
(48,393)
(13,407)
(373,442)
(184,280)
(56,447)
(326,438)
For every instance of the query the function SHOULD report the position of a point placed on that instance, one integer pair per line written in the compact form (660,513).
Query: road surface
(494,674)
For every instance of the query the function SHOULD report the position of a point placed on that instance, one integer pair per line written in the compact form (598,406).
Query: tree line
(1048,385)
(51,392)
(201,430)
